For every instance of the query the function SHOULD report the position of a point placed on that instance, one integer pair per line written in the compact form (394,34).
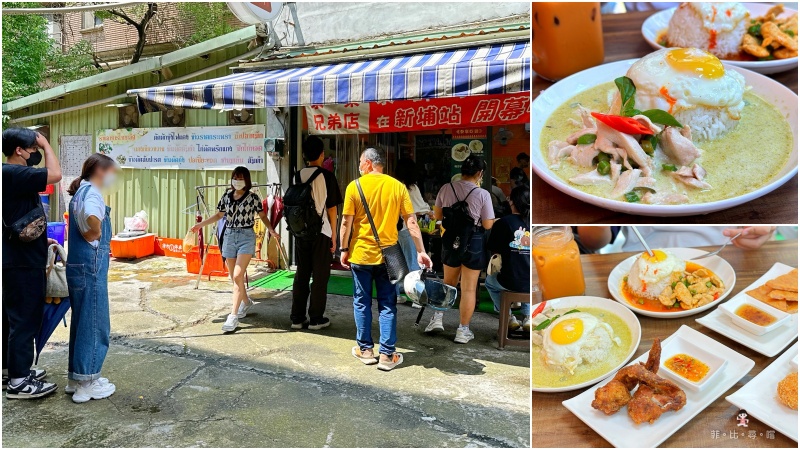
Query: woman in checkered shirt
(239,207)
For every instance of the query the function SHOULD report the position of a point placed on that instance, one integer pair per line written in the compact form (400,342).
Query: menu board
(466,142)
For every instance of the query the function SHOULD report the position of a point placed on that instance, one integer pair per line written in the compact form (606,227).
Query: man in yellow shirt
(387,200)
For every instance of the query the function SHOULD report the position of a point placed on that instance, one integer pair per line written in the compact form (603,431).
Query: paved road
(181,382)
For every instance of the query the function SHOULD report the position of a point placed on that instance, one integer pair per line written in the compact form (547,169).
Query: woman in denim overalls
(87,277)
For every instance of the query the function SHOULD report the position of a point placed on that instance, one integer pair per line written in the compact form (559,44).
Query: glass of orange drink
(558,263)
(567,37)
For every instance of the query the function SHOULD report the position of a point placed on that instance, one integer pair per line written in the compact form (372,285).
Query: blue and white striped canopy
(493,69)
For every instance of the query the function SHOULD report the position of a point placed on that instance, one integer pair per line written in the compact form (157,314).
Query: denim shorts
(238,241)
(474,258)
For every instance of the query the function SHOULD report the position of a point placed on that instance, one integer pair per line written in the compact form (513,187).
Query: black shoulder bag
(393,257)
(29,227)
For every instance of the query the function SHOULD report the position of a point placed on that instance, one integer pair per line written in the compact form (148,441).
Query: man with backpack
(311,216)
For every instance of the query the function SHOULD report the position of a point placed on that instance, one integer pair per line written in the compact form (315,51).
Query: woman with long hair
(510,239)
(87,278)
(406,173)
(464,265)
(239,207)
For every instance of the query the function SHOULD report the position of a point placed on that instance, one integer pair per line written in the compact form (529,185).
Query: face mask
(238,184)
(34,158)
(109,180)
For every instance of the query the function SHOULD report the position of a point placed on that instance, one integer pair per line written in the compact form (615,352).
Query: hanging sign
(417,115)
(196,148)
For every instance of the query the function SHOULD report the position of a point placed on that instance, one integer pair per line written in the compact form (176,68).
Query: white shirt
(319,191)
(92,205)
(419,203)
(666,237)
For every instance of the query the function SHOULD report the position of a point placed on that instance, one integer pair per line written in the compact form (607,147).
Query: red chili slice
(627,125)
(538,309)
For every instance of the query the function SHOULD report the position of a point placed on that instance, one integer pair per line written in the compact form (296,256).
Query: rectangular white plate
(759,396)
(620,431)
(769,344)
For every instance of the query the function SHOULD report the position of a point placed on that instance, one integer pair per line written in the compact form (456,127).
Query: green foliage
(73,65)
(209,20)
(26,45)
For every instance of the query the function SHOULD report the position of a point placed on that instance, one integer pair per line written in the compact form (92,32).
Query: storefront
(433,106)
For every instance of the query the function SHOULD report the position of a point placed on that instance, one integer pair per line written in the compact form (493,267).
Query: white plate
(460,155)
(659,21)
(551,98)
(769,344)
(759,396)
(600,303)
(620,431)
(716,264)
(730,307)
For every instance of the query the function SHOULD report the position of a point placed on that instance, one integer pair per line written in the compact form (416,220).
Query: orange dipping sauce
(752,314)
(654,305)
(687,366)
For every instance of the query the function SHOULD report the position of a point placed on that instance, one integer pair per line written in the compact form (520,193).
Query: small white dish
(655,25)
(678,346)
(759,396)
(611,306)
(620,431)
(714,263)
(769,344)
(729,308)
(551,98)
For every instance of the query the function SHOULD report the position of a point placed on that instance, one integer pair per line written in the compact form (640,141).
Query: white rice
(707,123)
(687,29)
(651,290)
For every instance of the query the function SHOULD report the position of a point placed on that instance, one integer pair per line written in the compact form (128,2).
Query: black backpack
(299,208)
(458,225)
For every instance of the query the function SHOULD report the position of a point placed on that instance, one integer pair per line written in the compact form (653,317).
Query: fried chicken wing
(654,358)
(611,397)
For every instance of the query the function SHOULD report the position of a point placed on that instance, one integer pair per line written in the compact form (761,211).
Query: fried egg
(577,338)
(649,275)
(681,79)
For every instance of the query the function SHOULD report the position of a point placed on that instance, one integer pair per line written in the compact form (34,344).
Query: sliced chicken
(629,144)
(678,147)
(692,177)
(582,155)
(557,150)
(644,120)
(616,169)
(664,198)
(586,117)
(592,178)
(626,182)
(646,182)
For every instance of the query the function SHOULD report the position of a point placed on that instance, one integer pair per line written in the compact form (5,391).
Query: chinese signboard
(416,115)
(185,148)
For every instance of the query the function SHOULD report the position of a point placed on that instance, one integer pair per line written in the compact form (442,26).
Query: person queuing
(387,199)
(239,207)
(463,249)
(510,238)
(87,279)
(406,173)
(314,254)
(24,279)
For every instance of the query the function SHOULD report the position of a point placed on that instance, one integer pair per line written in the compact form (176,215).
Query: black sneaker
(299,326)
(38,374)
(319,324)
(30,388)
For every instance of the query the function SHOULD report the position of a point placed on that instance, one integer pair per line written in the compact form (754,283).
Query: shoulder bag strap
(369,214)
(454,192)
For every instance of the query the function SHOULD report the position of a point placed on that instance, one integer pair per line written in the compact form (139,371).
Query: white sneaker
(72,385)
(513,323)
(526,324)
(463,335)
(230,323)
(435,324)
(93,391)
(244,307)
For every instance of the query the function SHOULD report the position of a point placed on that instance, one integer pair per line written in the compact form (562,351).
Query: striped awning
(496,69)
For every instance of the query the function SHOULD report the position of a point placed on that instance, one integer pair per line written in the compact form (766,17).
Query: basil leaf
(587,138)
(654,140)
(662,117)
(627,92)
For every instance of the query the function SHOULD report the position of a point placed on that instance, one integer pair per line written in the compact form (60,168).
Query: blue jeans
(238,241)
(363,276)
(496,290)
(87,278)
(409,249)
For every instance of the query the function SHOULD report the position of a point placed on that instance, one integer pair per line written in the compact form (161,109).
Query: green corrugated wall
(163,194)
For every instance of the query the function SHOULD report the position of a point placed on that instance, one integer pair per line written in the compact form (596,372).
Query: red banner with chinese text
(416,115)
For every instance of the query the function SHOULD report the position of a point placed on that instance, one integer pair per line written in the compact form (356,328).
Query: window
(90,20)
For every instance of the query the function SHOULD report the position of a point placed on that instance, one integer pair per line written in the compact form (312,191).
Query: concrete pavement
(181,382)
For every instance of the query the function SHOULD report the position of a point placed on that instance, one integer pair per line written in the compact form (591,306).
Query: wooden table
(623,40)
(555,426)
